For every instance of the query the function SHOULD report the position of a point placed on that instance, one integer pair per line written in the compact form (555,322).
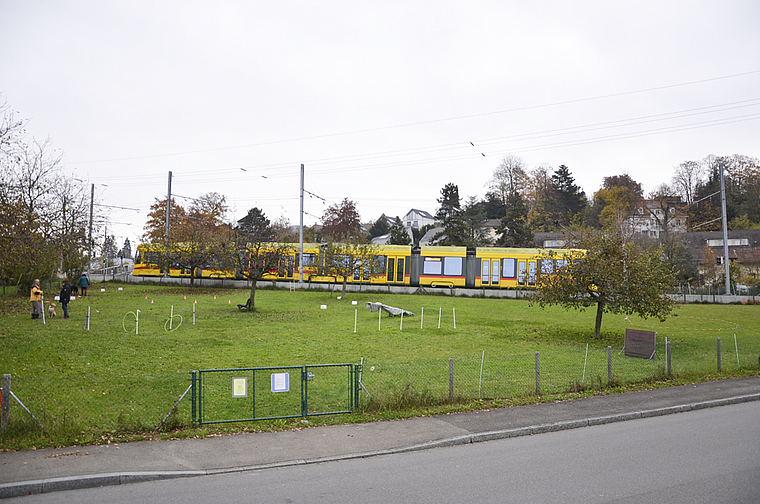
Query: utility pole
(92,204)
(300,235)
(168,213)
(726,263)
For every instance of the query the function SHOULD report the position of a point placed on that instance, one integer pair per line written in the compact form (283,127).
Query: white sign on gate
(280,382)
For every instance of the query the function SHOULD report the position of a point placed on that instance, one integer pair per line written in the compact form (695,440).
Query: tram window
(547,267)
(508,268)
(380,264)
(357,268)
(452,266)
(495,278)
(521,273)
(309,259)
(484,273)
(561,263)
(391,266)
(400,270)
(432,266)
(531,273)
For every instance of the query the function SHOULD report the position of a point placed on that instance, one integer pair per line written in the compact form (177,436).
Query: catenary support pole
(726,262)
(451,379)
(538,374)
(300,235)
(609,364)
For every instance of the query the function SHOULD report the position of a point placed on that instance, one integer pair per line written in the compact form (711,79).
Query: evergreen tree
(568,199)
(399,235)
(514,231)
(449,215)
(380,227)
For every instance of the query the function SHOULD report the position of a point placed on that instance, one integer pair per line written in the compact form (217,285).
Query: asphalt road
(701,456)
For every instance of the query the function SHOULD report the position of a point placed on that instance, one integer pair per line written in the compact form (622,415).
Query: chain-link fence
(554,370)
(86,409)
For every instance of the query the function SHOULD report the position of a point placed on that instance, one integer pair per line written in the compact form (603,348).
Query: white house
(416,219)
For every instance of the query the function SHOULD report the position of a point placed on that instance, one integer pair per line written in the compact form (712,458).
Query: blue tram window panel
(280,382)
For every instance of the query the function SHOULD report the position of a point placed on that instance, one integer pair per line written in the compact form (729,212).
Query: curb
(98,480)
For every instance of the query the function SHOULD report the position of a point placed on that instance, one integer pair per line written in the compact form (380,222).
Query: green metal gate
(263,393)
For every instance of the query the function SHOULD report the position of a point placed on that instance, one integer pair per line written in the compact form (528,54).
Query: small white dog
(51,310)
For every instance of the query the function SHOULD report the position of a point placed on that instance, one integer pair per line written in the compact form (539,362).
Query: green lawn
(90,385)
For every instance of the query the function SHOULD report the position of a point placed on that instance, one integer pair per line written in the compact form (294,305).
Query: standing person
(36,299)
(83,283)
(65,297)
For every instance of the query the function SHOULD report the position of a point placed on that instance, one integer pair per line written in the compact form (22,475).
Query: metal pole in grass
(670,369)
(42,309)
(439,317)
(356,313)
(736,345)
(379,312)
(719,367)
(609,364)
(87,320)
(585,360)
(196,301)
(422,316)
(454,311)
(6,404)
(171,317)
(137,322)
(538,374)
(401,327)
(480,382)
(451,379)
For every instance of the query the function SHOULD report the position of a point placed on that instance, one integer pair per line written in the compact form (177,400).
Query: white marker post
(379,312)
(356,312)
(171,318)
(454,311)
(137,322)
(42,309)
(194,312)
(87,320)
(422,316)
(401,327)
(439,317)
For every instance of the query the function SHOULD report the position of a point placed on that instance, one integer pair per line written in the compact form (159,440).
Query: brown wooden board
(642,344)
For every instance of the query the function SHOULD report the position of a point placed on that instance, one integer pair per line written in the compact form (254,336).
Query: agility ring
(171,319)
(180,314)
(124,322)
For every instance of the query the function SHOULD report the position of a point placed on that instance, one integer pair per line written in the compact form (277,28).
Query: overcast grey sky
(380,100)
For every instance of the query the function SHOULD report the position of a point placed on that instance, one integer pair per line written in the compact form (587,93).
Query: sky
(383,103)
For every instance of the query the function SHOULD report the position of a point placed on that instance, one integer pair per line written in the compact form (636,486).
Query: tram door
(489,274)
(526,273)
(395,271)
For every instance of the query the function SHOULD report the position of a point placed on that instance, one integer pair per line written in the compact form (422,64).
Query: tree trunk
(192,280)
(250,303)
(343,294)
(598,326)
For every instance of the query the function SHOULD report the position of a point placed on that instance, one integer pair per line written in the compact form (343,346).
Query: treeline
(44,212)
(543,199)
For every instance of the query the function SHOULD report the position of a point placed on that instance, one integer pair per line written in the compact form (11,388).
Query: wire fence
(90,408)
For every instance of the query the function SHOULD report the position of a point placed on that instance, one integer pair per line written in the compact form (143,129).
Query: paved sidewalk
(50,470)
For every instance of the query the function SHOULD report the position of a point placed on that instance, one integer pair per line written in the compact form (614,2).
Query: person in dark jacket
(83,283)
(65,297)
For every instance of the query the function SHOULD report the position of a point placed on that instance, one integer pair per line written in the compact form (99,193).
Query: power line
(433,121)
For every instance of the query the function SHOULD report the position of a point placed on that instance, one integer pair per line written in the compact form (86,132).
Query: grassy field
(108,382)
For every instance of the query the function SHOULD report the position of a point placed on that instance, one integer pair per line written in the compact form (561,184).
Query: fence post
(6,401)
(719,368)
(538,374)
(192,397)
(609,365)
(451,379)
(670,369)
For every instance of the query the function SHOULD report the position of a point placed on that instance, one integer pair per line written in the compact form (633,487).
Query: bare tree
(688,175)
(509,178)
